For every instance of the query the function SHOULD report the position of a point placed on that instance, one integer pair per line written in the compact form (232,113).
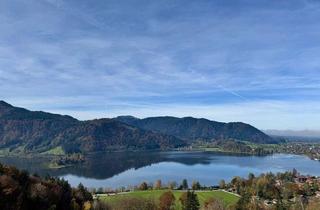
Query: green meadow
(227,198)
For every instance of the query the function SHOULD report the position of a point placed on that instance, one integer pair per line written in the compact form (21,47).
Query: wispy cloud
(108,57)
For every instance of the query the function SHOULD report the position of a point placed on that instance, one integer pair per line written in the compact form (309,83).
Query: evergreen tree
(196,185)
(189,201)
(184,184)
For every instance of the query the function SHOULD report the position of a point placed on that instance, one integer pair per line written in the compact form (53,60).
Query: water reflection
(130,168)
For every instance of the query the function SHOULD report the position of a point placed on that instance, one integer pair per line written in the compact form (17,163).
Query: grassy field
(55,151)
(227,198)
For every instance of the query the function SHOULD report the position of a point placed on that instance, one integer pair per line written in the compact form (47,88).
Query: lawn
(227,198)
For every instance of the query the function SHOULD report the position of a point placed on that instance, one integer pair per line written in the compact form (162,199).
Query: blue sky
(226,60)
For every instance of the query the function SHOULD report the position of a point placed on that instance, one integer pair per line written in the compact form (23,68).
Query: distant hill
(191,129)
(295,133)
(311,136)
(34,131)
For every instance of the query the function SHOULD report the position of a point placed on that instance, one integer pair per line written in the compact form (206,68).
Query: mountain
(104,134)
(35,131)
(190,129)
(295,133)
(27,130)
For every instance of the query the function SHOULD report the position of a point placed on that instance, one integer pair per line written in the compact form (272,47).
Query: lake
(131,168)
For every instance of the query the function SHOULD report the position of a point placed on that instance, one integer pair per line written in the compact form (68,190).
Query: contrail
(233,93)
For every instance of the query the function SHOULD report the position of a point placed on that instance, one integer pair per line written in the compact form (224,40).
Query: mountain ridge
(37,131)
(190,128)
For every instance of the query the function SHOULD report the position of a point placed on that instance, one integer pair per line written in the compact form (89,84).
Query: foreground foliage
(282,191)
(21,191)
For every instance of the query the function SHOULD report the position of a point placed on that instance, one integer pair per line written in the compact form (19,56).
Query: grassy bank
(227,198)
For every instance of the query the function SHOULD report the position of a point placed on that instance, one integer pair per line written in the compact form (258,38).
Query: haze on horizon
(237,60)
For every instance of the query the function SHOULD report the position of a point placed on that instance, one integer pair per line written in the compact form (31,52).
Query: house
(301,179)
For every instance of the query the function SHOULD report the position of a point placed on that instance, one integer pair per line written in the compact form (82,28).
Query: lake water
(131,168)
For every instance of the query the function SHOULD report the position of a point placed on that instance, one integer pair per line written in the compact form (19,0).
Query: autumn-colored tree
(167,200)
(157,185)
(236,182)
(20,190)
(222,184)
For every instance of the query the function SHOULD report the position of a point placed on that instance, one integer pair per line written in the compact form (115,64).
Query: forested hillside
(22,130)
(191,129)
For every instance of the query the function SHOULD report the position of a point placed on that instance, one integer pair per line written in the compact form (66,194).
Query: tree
(81,194)
(236,182)
(243,202)
(172,185)
(143,186)
(184,200)
(189,201)
(196,185)
(20,190)
(100,190)
(167,200)
(184,184)
(194,201)
(222,184)
(251,176)
(157,185)
(74,205)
